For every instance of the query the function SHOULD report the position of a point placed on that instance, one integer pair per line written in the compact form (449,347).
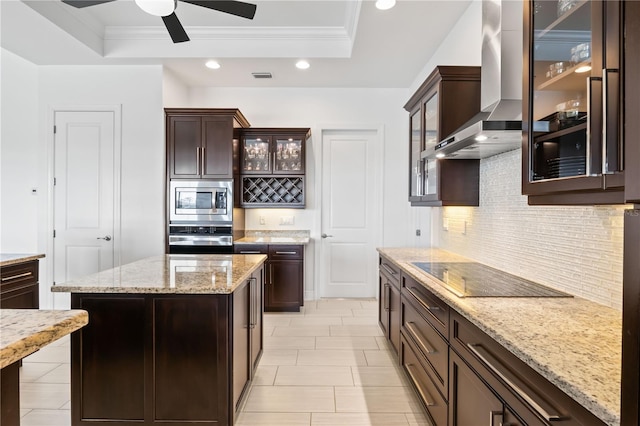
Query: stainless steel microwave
(201,201)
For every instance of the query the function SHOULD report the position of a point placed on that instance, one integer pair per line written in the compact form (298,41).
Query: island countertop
(24,331)
(170,274)
(7,259)
(574,343)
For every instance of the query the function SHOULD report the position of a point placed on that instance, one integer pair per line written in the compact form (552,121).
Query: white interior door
(350,213)
(84,195)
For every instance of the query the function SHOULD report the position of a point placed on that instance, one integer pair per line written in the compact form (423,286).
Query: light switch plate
(286,220)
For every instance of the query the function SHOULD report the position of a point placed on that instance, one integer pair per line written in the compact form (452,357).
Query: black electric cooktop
(470,279)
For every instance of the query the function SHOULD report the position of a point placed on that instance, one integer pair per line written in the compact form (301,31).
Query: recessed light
(440,155)
(214,65)
(385,4)
(302,65)
(583,68)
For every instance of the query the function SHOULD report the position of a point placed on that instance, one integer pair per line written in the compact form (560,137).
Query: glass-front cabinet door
(431,131)
(288,155)
(256,155)
(415,162)
(571,106)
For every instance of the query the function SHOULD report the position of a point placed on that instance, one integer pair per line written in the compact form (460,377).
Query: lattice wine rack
(267,191)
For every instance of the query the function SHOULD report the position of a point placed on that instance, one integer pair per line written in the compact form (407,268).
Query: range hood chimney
(497,127)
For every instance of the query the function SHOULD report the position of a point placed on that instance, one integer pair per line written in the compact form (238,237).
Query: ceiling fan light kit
(385,4)
(166,9)
(157,7)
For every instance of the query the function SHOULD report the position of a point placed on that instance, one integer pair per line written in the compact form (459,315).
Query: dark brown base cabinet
(168,359)
(389,307)
(284,275)
(461,375)
(19,288)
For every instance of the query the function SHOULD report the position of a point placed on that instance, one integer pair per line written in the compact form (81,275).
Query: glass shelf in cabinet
(577,18)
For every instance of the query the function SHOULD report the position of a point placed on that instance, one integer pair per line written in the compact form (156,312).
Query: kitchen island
(572,343)
(22,332)
(173,339)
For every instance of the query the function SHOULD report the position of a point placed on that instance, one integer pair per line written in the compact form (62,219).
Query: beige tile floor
(328,365)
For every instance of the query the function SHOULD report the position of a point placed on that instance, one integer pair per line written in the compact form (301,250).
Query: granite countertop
(24,331)
(274,237)
(7,259)
(574,343)
(170,273)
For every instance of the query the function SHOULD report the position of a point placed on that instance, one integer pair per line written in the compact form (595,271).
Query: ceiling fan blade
(237,8)
(85,3)
(175,28)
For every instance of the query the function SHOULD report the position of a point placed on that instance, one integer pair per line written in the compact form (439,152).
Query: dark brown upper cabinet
(572,104)
(632,101)
(200,142)
(448,98)
(272,167)
(273,151)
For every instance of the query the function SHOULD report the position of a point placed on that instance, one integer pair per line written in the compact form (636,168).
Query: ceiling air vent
(261,75)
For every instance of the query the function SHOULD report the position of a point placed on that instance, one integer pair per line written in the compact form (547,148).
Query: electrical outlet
(445,223)
(418,233)
(263,220)
(286,220)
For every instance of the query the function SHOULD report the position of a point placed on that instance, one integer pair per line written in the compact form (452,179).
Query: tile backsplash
(574,249)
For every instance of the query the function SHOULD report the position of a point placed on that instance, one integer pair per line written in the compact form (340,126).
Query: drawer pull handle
(422,341)
(423,394)
(388,269)
(15,277)
(483,354)
(249,252)
(287,252)
(424,305)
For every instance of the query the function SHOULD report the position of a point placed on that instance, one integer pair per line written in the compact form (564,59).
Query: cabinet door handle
(202,162)
(249,252)
(387,294)
(611,160)
(594,132)
(253,314)
(198,160)
(388,269)
(483,355)
(270,274)
(287,252)
(422,341)
(15,277)
(428,400)
(492,417)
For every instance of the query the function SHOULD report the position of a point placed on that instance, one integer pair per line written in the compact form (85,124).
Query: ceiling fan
(166,9)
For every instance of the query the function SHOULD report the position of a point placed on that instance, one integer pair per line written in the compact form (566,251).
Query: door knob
(106,238)
(326,236)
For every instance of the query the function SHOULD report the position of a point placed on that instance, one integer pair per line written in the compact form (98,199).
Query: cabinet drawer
(284,252)
(251,249)
(428,342)
(427,392)
(521,388)
(435,310)
(391,271)
(19,274)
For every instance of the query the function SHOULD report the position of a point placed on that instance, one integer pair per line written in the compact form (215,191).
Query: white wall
(19,155)
(29,96)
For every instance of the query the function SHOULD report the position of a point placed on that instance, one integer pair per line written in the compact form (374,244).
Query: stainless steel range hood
(497,128)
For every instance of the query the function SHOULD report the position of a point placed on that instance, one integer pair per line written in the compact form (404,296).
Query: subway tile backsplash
(574,249)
